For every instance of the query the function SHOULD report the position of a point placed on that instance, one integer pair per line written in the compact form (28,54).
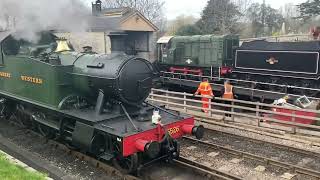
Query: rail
(251,113)
(246,155)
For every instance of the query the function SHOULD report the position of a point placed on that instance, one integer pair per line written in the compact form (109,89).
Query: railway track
(306,172)
(209,172)
(262,142)
(170,170)
(33,141)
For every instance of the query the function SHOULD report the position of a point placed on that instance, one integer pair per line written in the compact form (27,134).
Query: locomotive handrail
(128,116)
(240,80)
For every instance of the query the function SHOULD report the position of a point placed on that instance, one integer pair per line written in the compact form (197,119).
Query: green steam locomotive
(93,102)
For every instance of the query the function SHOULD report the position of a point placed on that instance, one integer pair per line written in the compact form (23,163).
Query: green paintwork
(56,82)
(202,50)
(1,56)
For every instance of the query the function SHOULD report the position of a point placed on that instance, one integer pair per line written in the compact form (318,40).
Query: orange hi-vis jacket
(205,89)
(228,91)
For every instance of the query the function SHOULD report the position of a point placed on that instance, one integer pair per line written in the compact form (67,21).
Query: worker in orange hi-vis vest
(227,92)
(206,92)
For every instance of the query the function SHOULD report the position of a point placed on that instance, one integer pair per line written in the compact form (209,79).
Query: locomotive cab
(163,46)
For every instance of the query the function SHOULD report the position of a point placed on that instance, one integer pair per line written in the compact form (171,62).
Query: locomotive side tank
(93,102)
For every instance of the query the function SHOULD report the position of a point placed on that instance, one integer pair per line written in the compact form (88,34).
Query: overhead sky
(174,8)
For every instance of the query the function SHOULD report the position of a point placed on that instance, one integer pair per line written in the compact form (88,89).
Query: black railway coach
(292,63)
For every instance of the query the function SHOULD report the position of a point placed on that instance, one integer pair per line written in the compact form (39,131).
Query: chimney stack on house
(96,8)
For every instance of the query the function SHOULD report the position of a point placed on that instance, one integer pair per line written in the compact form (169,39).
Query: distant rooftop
(111,19)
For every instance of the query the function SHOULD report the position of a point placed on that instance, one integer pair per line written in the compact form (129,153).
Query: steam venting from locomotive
(29,17)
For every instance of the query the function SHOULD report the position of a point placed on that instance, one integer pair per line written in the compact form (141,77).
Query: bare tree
(180,21)
(151,9)
(243,6)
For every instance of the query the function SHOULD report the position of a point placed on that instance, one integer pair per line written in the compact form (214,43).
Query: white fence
(252,113)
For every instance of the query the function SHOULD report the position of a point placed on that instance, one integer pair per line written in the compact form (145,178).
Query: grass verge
(9,171)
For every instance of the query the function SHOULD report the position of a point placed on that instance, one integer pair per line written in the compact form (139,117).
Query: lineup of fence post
(210,112)
(232,110)
(261,115)
(184,101)
(293,118)
(258,115)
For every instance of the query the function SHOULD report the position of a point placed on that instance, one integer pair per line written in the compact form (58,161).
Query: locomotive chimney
(96,8)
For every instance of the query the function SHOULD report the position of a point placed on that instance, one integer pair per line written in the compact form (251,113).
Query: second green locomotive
(198,55)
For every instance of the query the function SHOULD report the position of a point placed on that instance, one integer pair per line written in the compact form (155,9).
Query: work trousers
(227,109)
(205,104)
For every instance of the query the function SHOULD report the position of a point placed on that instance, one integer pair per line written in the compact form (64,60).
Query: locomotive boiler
(93,102)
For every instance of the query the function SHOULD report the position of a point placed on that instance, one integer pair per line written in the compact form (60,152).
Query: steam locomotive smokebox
(291,58)
(125,78)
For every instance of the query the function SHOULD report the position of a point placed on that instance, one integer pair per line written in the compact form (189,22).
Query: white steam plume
(28,17)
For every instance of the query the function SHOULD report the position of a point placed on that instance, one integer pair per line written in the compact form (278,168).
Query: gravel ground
(263,149)
(75,168)
(247,169)
(265,138)
(223,162)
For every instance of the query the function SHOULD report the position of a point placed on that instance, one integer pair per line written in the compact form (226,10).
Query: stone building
(113,30)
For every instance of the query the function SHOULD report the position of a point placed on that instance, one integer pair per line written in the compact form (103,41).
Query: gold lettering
(173,130)
(31,79)
(5,74)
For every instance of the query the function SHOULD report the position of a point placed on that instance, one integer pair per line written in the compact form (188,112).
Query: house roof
(112,19)
(4,34)
(101,23)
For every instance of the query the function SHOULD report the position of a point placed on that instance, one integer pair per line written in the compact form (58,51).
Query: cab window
(10,46)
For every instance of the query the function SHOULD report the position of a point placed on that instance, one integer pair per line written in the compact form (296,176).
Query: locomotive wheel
(176,154)
(24,120)
(45,131)
(127,165)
